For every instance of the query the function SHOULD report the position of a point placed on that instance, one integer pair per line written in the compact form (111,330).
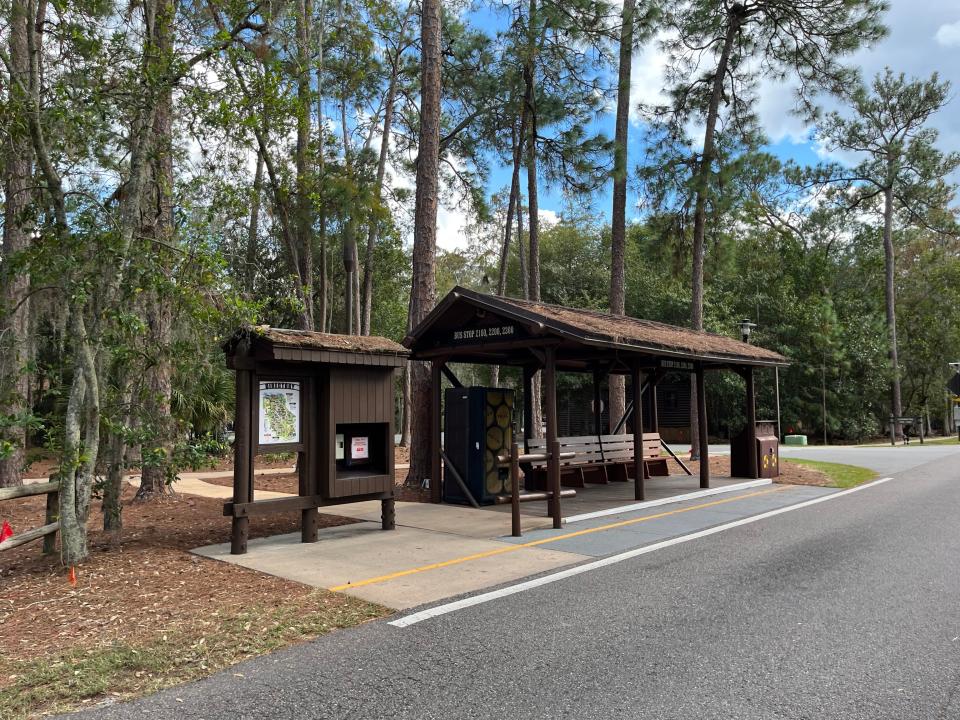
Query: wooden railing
(48,531)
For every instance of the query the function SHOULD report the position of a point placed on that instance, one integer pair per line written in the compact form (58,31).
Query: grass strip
(840,475)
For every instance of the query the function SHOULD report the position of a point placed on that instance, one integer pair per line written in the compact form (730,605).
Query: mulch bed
(790,473)
(144,586)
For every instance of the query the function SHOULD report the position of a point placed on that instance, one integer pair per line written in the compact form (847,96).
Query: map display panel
(279,413)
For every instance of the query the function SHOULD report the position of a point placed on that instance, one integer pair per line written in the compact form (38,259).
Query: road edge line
(486,597)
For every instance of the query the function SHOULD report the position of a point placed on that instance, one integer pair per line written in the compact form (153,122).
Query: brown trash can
(768,450)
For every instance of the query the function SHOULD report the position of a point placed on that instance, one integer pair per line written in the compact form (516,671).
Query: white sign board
(360,448)
(279,413)
(956,413)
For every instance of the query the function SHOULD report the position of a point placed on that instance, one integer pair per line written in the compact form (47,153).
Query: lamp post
(746,329)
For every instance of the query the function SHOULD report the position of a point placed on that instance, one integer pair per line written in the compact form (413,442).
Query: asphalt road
(846,609)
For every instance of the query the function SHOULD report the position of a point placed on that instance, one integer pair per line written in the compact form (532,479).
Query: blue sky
(924,38)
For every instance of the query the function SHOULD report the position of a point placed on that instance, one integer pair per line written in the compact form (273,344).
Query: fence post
(514,484)
(53,514)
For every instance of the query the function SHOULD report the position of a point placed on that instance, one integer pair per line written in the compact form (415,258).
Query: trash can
(768,451)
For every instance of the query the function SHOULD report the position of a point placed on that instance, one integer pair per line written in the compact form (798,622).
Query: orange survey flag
(6,531)
(72,576)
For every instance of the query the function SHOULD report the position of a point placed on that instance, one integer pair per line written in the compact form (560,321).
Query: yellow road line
(544,541)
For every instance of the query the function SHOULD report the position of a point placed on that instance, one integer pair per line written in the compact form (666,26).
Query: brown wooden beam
(293,503)
(436,479)
(553,462)
(702,428)
(528,373)
(597,407)
(636,379)
(242,459)
(451,351)
(449,374)
(29,536)
(10,493)
(751,423)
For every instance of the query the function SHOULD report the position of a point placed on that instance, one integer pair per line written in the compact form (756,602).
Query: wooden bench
(603,459)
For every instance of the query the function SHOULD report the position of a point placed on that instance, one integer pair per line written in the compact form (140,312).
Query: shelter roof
(466,321)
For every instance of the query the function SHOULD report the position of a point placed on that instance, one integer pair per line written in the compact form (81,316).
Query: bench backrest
(592,449)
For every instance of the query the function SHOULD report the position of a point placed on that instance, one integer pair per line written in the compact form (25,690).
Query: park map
(279,413)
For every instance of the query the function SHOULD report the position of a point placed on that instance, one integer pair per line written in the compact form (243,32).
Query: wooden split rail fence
(47,531)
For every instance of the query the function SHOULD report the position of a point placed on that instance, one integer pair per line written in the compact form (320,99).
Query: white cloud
(948,35)
(647,79)
(548,217)
(451,228)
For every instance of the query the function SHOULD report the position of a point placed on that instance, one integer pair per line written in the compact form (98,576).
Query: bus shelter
(476,328)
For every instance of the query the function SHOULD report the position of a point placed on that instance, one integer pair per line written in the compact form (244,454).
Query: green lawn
(952,440)
(841,476)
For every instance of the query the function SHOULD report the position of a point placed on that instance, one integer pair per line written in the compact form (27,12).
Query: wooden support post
(553,447)
(436,479)
(528,373)
(636,380)
(388,515)
(53,515)
(242,459)
(702,428)
(752,465)
(597,408)
(515,527)
(654,410)
(306,487)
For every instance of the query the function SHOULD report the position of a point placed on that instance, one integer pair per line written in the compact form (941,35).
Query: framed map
(279,413)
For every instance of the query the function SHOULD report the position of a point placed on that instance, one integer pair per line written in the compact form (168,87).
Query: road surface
(843,609)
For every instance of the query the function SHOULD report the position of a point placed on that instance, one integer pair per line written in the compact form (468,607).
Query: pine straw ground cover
(146,614)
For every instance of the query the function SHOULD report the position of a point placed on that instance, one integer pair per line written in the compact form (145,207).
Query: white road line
(433,612)
(667,500)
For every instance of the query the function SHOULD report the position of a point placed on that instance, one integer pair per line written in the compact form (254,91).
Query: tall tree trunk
(349,234)
(521,251)
(373,231)
(533,208)
(508,226)
(423,288)
(159,228)
(321,174)
(890,290)
(116,453)
(253,230)
(618,221)
(304,210)
(14,281)
(701,187)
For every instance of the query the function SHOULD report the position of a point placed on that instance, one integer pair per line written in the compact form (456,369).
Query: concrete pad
(454,519)
(353,553)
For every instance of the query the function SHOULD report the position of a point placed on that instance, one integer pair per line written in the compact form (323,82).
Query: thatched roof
(308,340)
(592,327)
(629,330)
